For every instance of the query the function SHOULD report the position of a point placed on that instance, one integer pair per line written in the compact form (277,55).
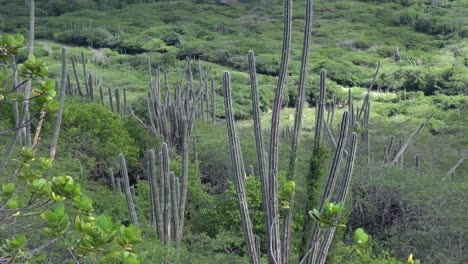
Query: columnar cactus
(58,121)
(117,101)
(77,80)
(111,100)
(101,95)
(128,194)
(236,157)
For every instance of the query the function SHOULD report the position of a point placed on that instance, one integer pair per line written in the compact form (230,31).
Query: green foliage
(103,131)
(41,202)
(317,170)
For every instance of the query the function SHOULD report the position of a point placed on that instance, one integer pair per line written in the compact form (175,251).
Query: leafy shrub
(103,131)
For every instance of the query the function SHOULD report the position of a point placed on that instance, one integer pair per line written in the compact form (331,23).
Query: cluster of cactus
(395,155)
(278,245)
(319,241)
(175,113)
(165,197)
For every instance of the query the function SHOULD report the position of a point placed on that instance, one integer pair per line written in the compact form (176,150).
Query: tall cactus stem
(58,121)
(111,179)
(111,100)
(237,171)
(117,101)
(128,194)
(259,141)
(77,79)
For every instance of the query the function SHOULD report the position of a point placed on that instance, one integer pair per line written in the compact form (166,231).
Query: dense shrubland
(409,207)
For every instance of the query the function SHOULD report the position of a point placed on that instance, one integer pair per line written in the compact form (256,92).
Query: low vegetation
(99,200)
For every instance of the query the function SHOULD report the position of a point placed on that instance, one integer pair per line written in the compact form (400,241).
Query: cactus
(83,61)
(319,122)
(101,95)
(236,157)
(175,196)
(117,101)
(119,184)
(166,194)
(213,101)
(111,101)
(399,155)
(124,111)
(261,156)
(111,179)
(320,109)
(155,196)
(348,171)
(311,256)
(58,121)
(91,87)
(128,195)
(69,85)
(77,80)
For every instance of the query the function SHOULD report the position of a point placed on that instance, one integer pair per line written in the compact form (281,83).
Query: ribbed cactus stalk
(274,243)
(91,87)
(399,156)
(83,61)
(348,171)
(117,101)
(351,105)
(366,101)
(328,190)
(58,121)
(128,194)
(286,235)
(333,112)
(124,111)
(261,156)
(320,109)
(101,95)
(213,101)
(111,100)
(77,79)
(166,194)
(236,157)
(111,179)
(155,196)
(69,85)
(175,196)
(119,184)
(184,145)
(319,123)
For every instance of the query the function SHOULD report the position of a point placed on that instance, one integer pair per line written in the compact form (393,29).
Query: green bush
(103,133)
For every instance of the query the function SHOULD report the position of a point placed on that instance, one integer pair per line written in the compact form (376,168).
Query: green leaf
(8,189)
(83,203)
(45,163)
(360,237)
(12,204)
